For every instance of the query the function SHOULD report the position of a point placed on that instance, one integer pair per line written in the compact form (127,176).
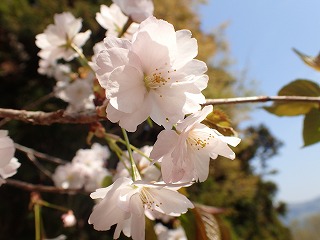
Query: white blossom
(55,43)
(87,169)
(153,75)
(113,20)
(163,233)
(138,10)
(185,153)
(69,176)
(79,95)
(124,203)
(148,171)
(8,163)
(7,148)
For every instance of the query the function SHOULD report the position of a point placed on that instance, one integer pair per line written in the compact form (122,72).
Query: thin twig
(42,169)
(255,99)
(42,188)
(41,155)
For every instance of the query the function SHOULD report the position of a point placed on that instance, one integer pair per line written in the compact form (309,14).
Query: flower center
(155,81)
(148,199)
(199,142)
(159,77)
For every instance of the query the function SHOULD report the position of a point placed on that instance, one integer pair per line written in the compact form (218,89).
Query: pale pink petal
(10,169)
(195,118)
(187,48)
(125,82)
(7,148)
(166,140)
(81,38)
(152,54)
(129,121)
(172,202)
(111,42)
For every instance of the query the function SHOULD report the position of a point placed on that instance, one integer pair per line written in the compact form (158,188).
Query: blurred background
(247,48)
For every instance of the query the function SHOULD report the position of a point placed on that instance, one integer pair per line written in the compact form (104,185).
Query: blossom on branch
(185,153)
(124,203)
(137,10)
(8,163)
(148,171)
(113,20)
(153,75)
(86,169)
(58,39)
(7,148)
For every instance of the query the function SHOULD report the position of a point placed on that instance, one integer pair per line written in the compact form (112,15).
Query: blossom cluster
(86,170)
(147,71)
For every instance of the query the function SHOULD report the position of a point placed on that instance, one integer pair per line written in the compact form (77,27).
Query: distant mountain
(299,211)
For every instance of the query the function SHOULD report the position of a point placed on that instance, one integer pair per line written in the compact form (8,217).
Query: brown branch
(41,155)
(60,116)
(48,118)
(42,188)
(255,99)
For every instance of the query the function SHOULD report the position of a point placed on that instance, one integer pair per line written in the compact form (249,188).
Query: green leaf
(298,87)
(313,62)
(301,87)
(220,121)
(311,127)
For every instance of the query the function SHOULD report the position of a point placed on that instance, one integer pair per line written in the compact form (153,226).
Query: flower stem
(82,58)
(135,173)
(50,205)
(125,27)
(37,221)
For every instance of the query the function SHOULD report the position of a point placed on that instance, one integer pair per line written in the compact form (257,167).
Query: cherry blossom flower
(148,171)
(68,176)
(124,203)
(86,170)
(79,94)
(153,75)
(60,72)
(163,233)
(113,20)
(56,41)
(138,10)
(8,163)
(185,153)
(9,170)
(7,148)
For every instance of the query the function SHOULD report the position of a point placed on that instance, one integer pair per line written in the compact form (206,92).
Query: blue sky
(261,34)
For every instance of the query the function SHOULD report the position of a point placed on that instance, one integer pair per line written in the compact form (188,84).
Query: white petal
(81,38)
(166,140)
(10,169)
(152,54)
(187,48)
(129,121)
(195,118)
(126,89)
(172,202)
(201,165)
(7,149)
(114,42)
